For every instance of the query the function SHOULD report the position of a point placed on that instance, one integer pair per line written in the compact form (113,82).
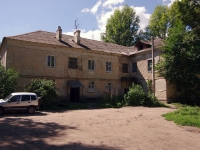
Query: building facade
(81,68)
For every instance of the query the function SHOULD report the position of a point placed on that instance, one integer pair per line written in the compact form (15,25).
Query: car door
(13,103)
(25,101)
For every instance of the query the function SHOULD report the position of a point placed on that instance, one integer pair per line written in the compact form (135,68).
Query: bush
(43,88)
(114,101)
(135,96)
(8,81)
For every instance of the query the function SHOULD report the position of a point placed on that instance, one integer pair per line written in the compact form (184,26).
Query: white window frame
(109,87)
(49,61)
(91,87)
(91,65)
(108,66)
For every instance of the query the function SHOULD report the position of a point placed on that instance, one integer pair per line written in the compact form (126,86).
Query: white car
(20,101)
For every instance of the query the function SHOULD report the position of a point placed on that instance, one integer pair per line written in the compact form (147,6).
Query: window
(125,68)
(148,46)
(51,61)
(108,66)
(108,87)
(141,47)
(91,64)
(149,65)
(33,97)
(15,98)
(72,63)
(91,87)
(134,67)
(25,98)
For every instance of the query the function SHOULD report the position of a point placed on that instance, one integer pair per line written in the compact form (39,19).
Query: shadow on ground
(23,133)
(22,114)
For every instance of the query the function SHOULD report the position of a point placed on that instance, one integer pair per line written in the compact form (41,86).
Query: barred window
(91,87)
(108,87)
(72,63)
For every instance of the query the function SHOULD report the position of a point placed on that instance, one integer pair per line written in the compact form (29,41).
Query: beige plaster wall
(30,59)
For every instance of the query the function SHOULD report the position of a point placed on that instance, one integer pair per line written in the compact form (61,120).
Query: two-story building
(81,68)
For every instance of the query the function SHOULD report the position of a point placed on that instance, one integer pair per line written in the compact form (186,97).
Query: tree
(159,21)
(122,27)
(43,88)
(8,81)
(181,63)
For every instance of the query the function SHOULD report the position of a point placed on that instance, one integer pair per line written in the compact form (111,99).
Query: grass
(185,116)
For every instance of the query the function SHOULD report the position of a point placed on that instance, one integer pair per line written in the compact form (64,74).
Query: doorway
(74,94)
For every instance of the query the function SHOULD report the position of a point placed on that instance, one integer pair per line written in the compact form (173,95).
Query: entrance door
(74,94)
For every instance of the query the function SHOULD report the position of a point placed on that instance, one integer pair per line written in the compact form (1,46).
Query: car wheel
(1,110)
(31,109)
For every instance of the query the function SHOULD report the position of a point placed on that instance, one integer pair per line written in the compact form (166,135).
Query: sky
(23,16)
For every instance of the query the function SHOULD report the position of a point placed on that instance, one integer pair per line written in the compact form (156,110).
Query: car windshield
(7,97)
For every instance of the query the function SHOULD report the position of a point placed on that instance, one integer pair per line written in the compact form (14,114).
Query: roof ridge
(25,33)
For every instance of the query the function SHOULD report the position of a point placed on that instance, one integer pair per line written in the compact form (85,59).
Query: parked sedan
(20,101)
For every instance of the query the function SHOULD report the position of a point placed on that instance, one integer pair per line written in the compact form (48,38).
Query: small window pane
(108,66)
(125,68)
(50,61)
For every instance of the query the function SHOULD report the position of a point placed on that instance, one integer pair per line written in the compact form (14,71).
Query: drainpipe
(153,73)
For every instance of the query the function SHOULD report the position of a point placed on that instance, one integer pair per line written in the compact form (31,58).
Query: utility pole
(153,73)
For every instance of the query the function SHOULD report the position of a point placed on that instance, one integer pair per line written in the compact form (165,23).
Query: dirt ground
(134,128)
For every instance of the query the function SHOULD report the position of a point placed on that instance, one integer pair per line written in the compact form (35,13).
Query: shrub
(114,101)
(135,96)
(43,88)
(8,81)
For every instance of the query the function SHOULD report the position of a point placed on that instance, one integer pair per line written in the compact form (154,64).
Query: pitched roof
(87,44)
(68,41)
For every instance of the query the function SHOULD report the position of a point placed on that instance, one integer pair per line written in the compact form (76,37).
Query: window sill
(108,71)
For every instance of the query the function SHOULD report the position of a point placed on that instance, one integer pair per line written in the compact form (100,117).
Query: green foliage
(186,116)
(43,88)
(8,81)
(181,62)
(114,101)
(159,21)
(122,27)
(137,97)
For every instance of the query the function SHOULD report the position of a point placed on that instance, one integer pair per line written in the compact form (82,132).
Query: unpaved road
(134,128)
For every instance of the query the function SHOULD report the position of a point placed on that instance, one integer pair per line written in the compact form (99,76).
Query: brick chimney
(59,33)
(77,36)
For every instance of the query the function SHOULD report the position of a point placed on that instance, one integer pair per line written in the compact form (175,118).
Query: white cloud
(91,34)
(105,14)
(143,15)
(168,2)
(112,2)
(85,10)
(96,7)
